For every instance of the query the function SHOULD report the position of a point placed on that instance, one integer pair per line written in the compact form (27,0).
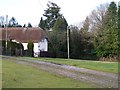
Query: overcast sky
(31,11)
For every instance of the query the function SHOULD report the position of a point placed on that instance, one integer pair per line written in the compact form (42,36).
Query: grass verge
(111,67)
(21,76)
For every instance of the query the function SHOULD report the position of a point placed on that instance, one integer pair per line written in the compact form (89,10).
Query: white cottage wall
(36,50)
(25,45)
(43,45)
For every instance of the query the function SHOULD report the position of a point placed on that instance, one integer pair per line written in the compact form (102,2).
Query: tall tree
(51,14)
(60,24)
(58,44)
(119,17)
(107,40)
(29,25)
(86,25)
(12,22)
(119,29)
(97,19)
(86,37)
(75,43)
(24,25)
(42,24)
(2,22)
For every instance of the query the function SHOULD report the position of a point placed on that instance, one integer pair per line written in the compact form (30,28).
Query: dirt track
(100,79)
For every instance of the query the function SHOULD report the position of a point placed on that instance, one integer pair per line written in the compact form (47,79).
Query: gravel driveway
(100,79)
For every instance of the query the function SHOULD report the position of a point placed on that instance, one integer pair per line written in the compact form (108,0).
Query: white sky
(32,10)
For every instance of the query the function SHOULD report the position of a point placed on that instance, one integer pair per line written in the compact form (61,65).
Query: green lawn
(111,67)
(22,76)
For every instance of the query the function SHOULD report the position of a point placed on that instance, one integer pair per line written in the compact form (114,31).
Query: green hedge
(30,47)
(13,48)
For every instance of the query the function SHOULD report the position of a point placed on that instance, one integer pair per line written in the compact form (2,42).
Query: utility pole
(6,31)
(68,41)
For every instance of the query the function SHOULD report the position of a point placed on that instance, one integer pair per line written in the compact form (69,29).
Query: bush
(30,47)
(13,48)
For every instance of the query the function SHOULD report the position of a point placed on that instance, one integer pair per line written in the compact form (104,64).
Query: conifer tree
(118,29)
(51,15)
(60,24)
(107,41)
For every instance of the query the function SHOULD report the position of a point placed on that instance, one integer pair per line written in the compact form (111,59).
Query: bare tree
(97,18)
(2,21)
